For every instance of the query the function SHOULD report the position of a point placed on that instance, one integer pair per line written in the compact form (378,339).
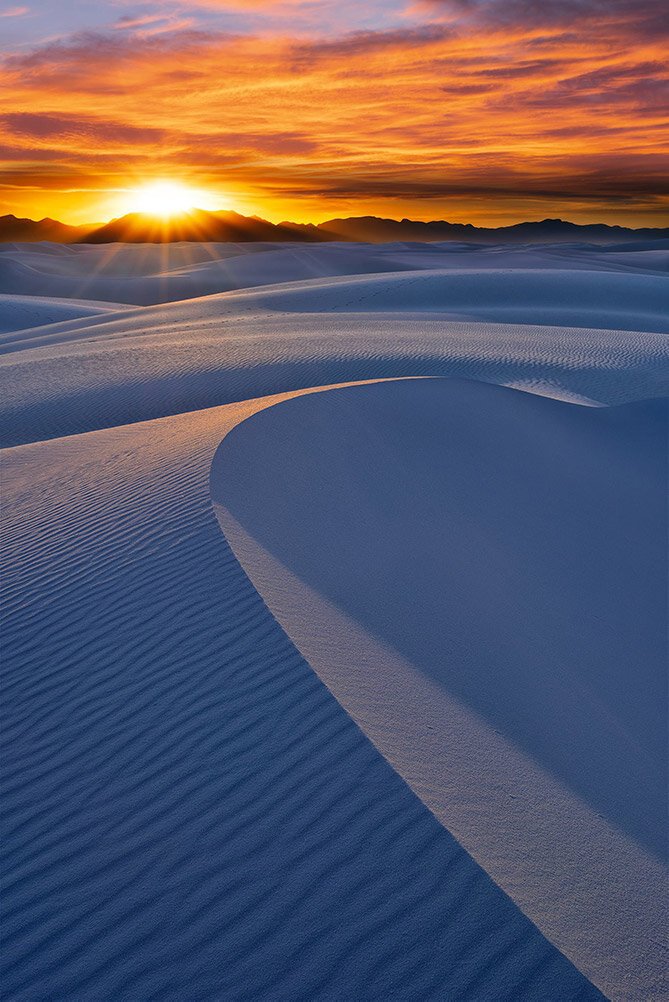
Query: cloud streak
(463,115)
(644,18)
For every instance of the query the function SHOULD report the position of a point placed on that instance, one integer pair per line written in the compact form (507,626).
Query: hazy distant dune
(144,274)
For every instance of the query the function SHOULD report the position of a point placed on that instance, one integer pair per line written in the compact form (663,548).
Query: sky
(482,111)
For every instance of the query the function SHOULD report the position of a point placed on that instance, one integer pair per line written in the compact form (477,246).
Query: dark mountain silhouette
(219,227)
(29,230)
(371,229)
(223,227)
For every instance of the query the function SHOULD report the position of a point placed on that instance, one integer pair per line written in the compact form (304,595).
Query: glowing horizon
(479,111)
(164,199)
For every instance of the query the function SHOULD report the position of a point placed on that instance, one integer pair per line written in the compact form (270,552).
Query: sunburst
(165,199)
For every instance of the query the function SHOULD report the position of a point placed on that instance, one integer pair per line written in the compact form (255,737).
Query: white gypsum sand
(26,312)
(199,803)
(475,574)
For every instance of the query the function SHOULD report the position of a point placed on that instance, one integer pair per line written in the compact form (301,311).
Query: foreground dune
(475,573)
(192,814)
(409,744)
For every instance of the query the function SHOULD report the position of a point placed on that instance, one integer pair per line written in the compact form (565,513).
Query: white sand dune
(559,297)
(24,312)
(204,800)
(190,814)
(152,273)
(479,576)
(140,364)
(137,364)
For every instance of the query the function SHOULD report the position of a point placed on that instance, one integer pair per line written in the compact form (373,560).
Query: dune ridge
(26,312)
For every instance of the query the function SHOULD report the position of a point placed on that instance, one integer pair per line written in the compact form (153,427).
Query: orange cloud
(483,121)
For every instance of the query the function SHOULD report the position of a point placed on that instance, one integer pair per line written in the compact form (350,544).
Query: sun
(165,199)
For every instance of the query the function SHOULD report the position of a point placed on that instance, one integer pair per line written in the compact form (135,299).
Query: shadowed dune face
(509,547)
(478,575)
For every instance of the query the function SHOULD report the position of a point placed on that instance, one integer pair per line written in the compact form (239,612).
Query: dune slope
(188,811)
(578,321)
(26,312)
(189,356)
(479,575)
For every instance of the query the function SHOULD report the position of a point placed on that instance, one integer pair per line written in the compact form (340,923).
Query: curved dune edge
(590,887)
(188,811)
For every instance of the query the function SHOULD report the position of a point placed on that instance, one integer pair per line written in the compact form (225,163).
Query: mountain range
(227,226)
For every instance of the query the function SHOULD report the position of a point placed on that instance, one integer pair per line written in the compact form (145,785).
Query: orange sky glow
(466,110)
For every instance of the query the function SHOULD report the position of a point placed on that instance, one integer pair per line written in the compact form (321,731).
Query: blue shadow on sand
(510,546)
